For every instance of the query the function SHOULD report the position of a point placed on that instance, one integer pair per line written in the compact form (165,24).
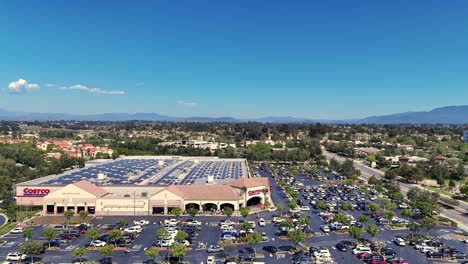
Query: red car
(362,255)
(66,236)
(401,261)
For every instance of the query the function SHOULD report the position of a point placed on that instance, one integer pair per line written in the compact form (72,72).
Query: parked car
(325,228)
(17,230)
(133,229)
(434,254)
(399,241)
(16,256)
(341,247)
(141,222)
(214,248)
(261,222)
(210,260)
(193,222)
(270,249)
(97,243)
(361,249)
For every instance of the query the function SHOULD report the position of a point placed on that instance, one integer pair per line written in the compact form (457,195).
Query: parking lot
(210,233)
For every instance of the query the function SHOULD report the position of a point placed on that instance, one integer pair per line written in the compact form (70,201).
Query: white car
(97,243)
(252,224)
(194,222)
(325,228)
(272,209)
(185,243)
(210,260)
(16,256)
(17,230)
(133,229)
(361,249)
(141,222)
(399,241)
(465,240)
(171,222)
(304,208)
(261,222)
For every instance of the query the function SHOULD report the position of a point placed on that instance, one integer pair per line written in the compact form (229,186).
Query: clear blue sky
(316,59)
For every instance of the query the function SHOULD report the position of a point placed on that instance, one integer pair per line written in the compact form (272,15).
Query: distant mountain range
(442,115)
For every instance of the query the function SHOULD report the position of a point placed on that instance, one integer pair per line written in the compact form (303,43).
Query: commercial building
(146,186)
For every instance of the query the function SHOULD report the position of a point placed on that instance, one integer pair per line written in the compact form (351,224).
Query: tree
(193,212)
(287,224)
(28,234)
(374,207)
(406,213)
(335,165)
(372,230)
(181,236)
(153,253)
(297,236)
(428,223)
(364,219)
(389,214)
(342,219)
(452,184)
(355,232)
(178,251)
(121,223)
(84,215)
(254,239)
(162,234)
(303,221)
(280,207)
(322,205)
(93,234)
(345,206)
(107,251)
(292,205)
(228,211)
(246,226)
(176,211)
(244,212)
(414,227)
(79,252)
(49,234)
(391,175)
(114,235)
(68,215)
(31,248)
(11,213)
(347,168)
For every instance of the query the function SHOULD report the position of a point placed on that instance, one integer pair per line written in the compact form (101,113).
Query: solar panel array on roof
(117,172)
(150,171)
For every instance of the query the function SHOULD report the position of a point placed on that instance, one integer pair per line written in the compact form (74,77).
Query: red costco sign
(254,192)
(35,192)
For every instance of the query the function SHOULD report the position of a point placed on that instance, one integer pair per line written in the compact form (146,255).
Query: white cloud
(21,86)
(80,87)
(187,104)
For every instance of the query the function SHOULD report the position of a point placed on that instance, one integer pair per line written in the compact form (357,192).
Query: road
(366,172)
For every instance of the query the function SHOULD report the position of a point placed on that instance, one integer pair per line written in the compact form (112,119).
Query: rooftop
(155,170)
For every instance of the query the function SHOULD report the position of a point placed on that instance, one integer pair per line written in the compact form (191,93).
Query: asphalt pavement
(459,215)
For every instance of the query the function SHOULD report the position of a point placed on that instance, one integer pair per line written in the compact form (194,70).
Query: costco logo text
(35,192)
